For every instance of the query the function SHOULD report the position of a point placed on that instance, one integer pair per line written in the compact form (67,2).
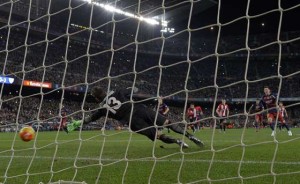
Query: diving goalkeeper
(116,105)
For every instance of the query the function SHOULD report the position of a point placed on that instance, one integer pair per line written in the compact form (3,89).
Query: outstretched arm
(94,116)
(128,90)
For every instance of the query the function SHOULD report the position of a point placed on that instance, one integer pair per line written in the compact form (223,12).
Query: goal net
(54,52)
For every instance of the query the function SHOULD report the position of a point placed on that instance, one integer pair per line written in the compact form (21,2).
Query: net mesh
(67,59)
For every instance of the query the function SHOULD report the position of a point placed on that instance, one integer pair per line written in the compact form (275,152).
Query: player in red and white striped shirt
(192,116)
(199,114)
(223,113)
(284,115)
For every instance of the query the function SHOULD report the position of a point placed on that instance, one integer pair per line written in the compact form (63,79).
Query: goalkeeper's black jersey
(116,104)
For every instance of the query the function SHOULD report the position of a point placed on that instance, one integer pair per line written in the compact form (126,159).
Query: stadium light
(119,11)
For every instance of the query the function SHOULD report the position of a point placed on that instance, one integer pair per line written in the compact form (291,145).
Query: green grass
(114,159)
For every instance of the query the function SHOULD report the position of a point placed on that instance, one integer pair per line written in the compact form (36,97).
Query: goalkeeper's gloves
(73,125)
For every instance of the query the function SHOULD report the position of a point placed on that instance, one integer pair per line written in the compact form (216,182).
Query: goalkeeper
(116,105)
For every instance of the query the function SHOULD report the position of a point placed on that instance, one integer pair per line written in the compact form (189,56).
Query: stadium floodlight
(119,11)
(164,23)
(167,30)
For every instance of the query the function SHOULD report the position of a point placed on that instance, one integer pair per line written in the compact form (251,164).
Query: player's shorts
(223,119)
(192,120)
(143,121)
(258,117)
(273,116)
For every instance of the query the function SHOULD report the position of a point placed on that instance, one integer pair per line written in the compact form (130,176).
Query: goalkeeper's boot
(72,126)
(197,141)
(182,144)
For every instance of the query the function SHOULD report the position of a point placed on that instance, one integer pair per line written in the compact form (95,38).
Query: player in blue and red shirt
(269,101)
(163,109)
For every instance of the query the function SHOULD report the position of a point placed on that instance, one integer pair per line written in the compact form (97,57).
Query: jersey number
(112,104)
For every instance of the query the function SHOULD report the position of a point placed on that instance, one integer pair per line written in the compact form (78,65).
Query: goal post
(196,52)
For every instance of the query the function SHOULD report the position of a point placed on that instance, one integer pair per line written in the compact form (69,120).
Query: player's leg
(220,125)
(149,115)
(63,123)
(142,123)
(224,124)
(280,126)
(197,124)
(257,122)
(192,124)
(271,122)
(285,124)
(141,127)
(261,122)
(179,128)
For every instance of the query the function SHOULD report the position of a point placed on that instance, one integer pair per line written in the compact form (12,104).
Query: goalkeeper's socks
(167,139)
(182,144)
(196,141)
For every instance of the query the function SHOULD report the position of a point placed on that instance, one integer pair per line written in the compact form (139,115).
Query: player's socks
(272,126)
(288,129)
(169,140)
(286,126)
(196,141)
(193,128)
(166,139)
(182,144)
(178,128)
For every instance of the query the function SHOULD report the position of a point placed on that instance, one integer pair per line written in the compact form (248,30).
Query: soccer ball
(27,133)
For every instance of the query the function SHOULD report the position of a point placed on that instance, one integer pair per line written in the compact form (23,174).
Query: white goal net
(53,52)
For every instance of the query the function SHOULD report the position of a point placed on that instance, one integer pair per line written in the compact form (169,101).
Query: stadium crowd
(77,60)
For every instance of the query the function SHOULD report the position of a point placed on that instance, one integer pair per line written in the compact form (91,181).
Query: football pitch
(236,156)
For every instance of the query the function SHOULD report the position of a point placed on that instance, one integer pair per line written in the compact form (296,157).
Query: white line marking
(159,160)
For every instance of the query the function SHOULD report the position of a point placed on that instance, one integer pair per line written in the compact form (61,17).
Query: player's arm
(251,107)
(77,123)
(95,116)
(263,104)
(227,114)
(188,116)
(187,113)
(218,110)
(273,96)
(201,111)
(167,110)
(128,90)
(285,113)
